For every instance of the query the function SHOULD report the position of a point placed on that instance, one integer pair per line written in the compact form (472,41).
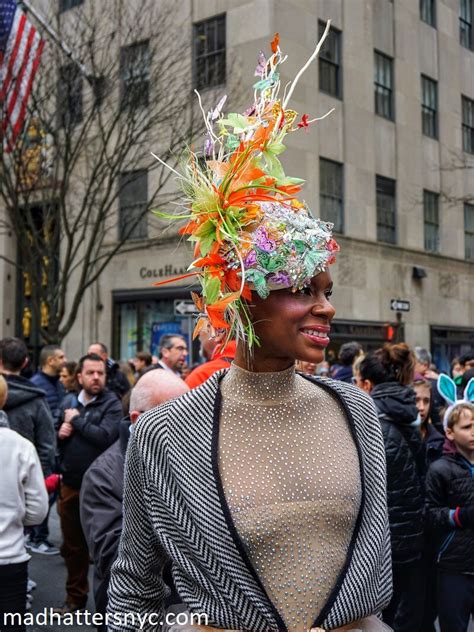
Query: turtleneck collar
(249,386)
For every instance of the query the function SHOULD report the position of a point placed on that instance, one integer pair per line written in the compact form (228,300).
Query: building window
(386,210)
(209,38)
(69,96)
(330,71)
(469,231)
(428,12)
(431,220)
(468,125)
(135,75)
(65,5)
(331,197)
(383,81)
(429,107)
(133,202)
(465,23)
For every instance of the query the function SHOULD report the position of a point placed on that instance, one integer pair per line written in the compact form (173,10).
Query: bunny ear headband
(447,389)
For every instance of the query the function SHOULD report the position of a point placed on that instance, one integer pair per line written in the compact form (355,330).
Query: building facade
(391,167)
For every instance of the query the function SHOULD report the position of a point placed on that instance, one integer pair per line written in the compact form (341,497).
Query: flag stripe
(19,59)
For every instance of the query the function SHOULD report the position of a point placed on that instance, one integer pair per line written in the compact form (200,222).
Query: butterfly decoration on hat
(250,231)
(447,389)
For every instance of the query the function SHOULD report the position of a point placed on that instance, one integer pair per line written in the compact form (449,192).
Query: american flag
(20,52)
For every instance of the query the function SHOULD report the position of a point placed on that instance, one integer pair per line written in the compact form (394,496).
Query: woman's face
(66,379)
(292,325)
(423,400)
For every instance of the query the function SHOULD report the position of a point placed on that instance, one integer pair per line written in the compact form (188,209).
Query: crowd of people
(64,435)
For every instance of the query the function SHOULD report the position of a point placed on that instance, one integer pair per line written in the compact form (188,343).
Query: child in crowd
(450,506)
(432,439)
(23,502)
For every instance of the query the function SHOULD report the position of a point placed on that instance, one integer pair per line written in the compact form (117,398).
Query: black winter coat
(406,468)
(450,484)
(101,506)
(95,429)
(54,390)
(29,414)
(434,442)
(101,512)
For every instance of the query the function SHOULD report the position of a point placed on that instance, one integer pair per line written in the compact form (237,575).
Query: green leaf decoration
(310,262)
(299,245)
(211,289)
(237,121)
(274,167)
(275,148)
(206,243)
(257,278)
(232,142)
(288,180)
(263,258)
(275,264)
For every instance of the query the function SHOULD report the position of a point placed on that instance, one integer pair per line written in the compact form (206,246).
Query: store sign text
(158,273)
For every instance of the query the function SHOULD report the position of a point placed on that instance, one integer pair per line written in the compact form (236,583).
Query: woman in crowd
(23,502)
(265,489)
(387,374)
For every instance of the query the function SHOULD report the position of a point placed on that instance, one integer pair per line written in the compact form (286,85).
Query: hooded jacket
(29,414)
(450,484)
(406,467)
(96,427)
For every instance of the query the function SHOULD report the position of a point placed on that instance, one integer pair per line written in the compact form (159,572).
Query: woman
(264,489)
(387,375)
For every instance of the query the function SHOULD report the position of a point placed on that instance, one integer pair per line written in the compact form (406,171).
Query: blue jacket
(53,388)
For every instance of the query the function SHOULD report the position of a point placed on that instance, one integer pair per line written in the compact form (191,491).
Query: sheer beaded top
(291,477)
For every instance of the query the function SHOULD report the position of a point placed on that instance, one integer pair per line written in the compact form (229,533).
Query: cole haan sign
(159,273)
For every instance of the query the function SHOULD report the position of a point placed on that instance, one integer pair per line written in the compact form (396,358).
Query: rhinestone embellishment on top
(291,477)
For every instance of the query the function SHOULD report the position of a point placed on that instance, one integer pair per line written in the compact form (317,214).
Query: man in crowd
(347,354)
(29,414)
(142,362)
(423,361)
(102,487)
(116,380)
(173,353)
(86,432)
(51,361)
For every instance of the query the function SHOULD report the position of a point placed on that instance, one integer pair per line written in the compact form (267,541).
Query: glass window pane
(210,52)
(331,193)
(386,210)
(133,200)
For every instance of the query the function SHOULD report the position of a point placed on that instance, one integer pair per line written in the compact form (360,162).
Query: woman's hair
(71,368)
(3,391)
(391,363)
(455,414)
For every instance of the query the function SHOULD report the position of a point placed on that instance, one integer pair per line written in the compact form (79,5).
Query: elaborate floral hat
(250,230)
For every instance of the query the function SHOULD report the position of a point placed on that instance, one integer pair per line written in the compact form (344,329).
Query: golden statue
(26,284)
(26,322)
(44,314)
(44,274)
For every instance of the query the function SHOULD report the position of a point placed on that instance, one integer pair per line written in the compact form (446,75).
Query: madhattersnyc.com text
(125,619)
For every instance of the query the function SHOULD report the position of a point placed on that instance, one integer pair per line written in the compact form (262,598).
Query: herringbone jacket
(175,508)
